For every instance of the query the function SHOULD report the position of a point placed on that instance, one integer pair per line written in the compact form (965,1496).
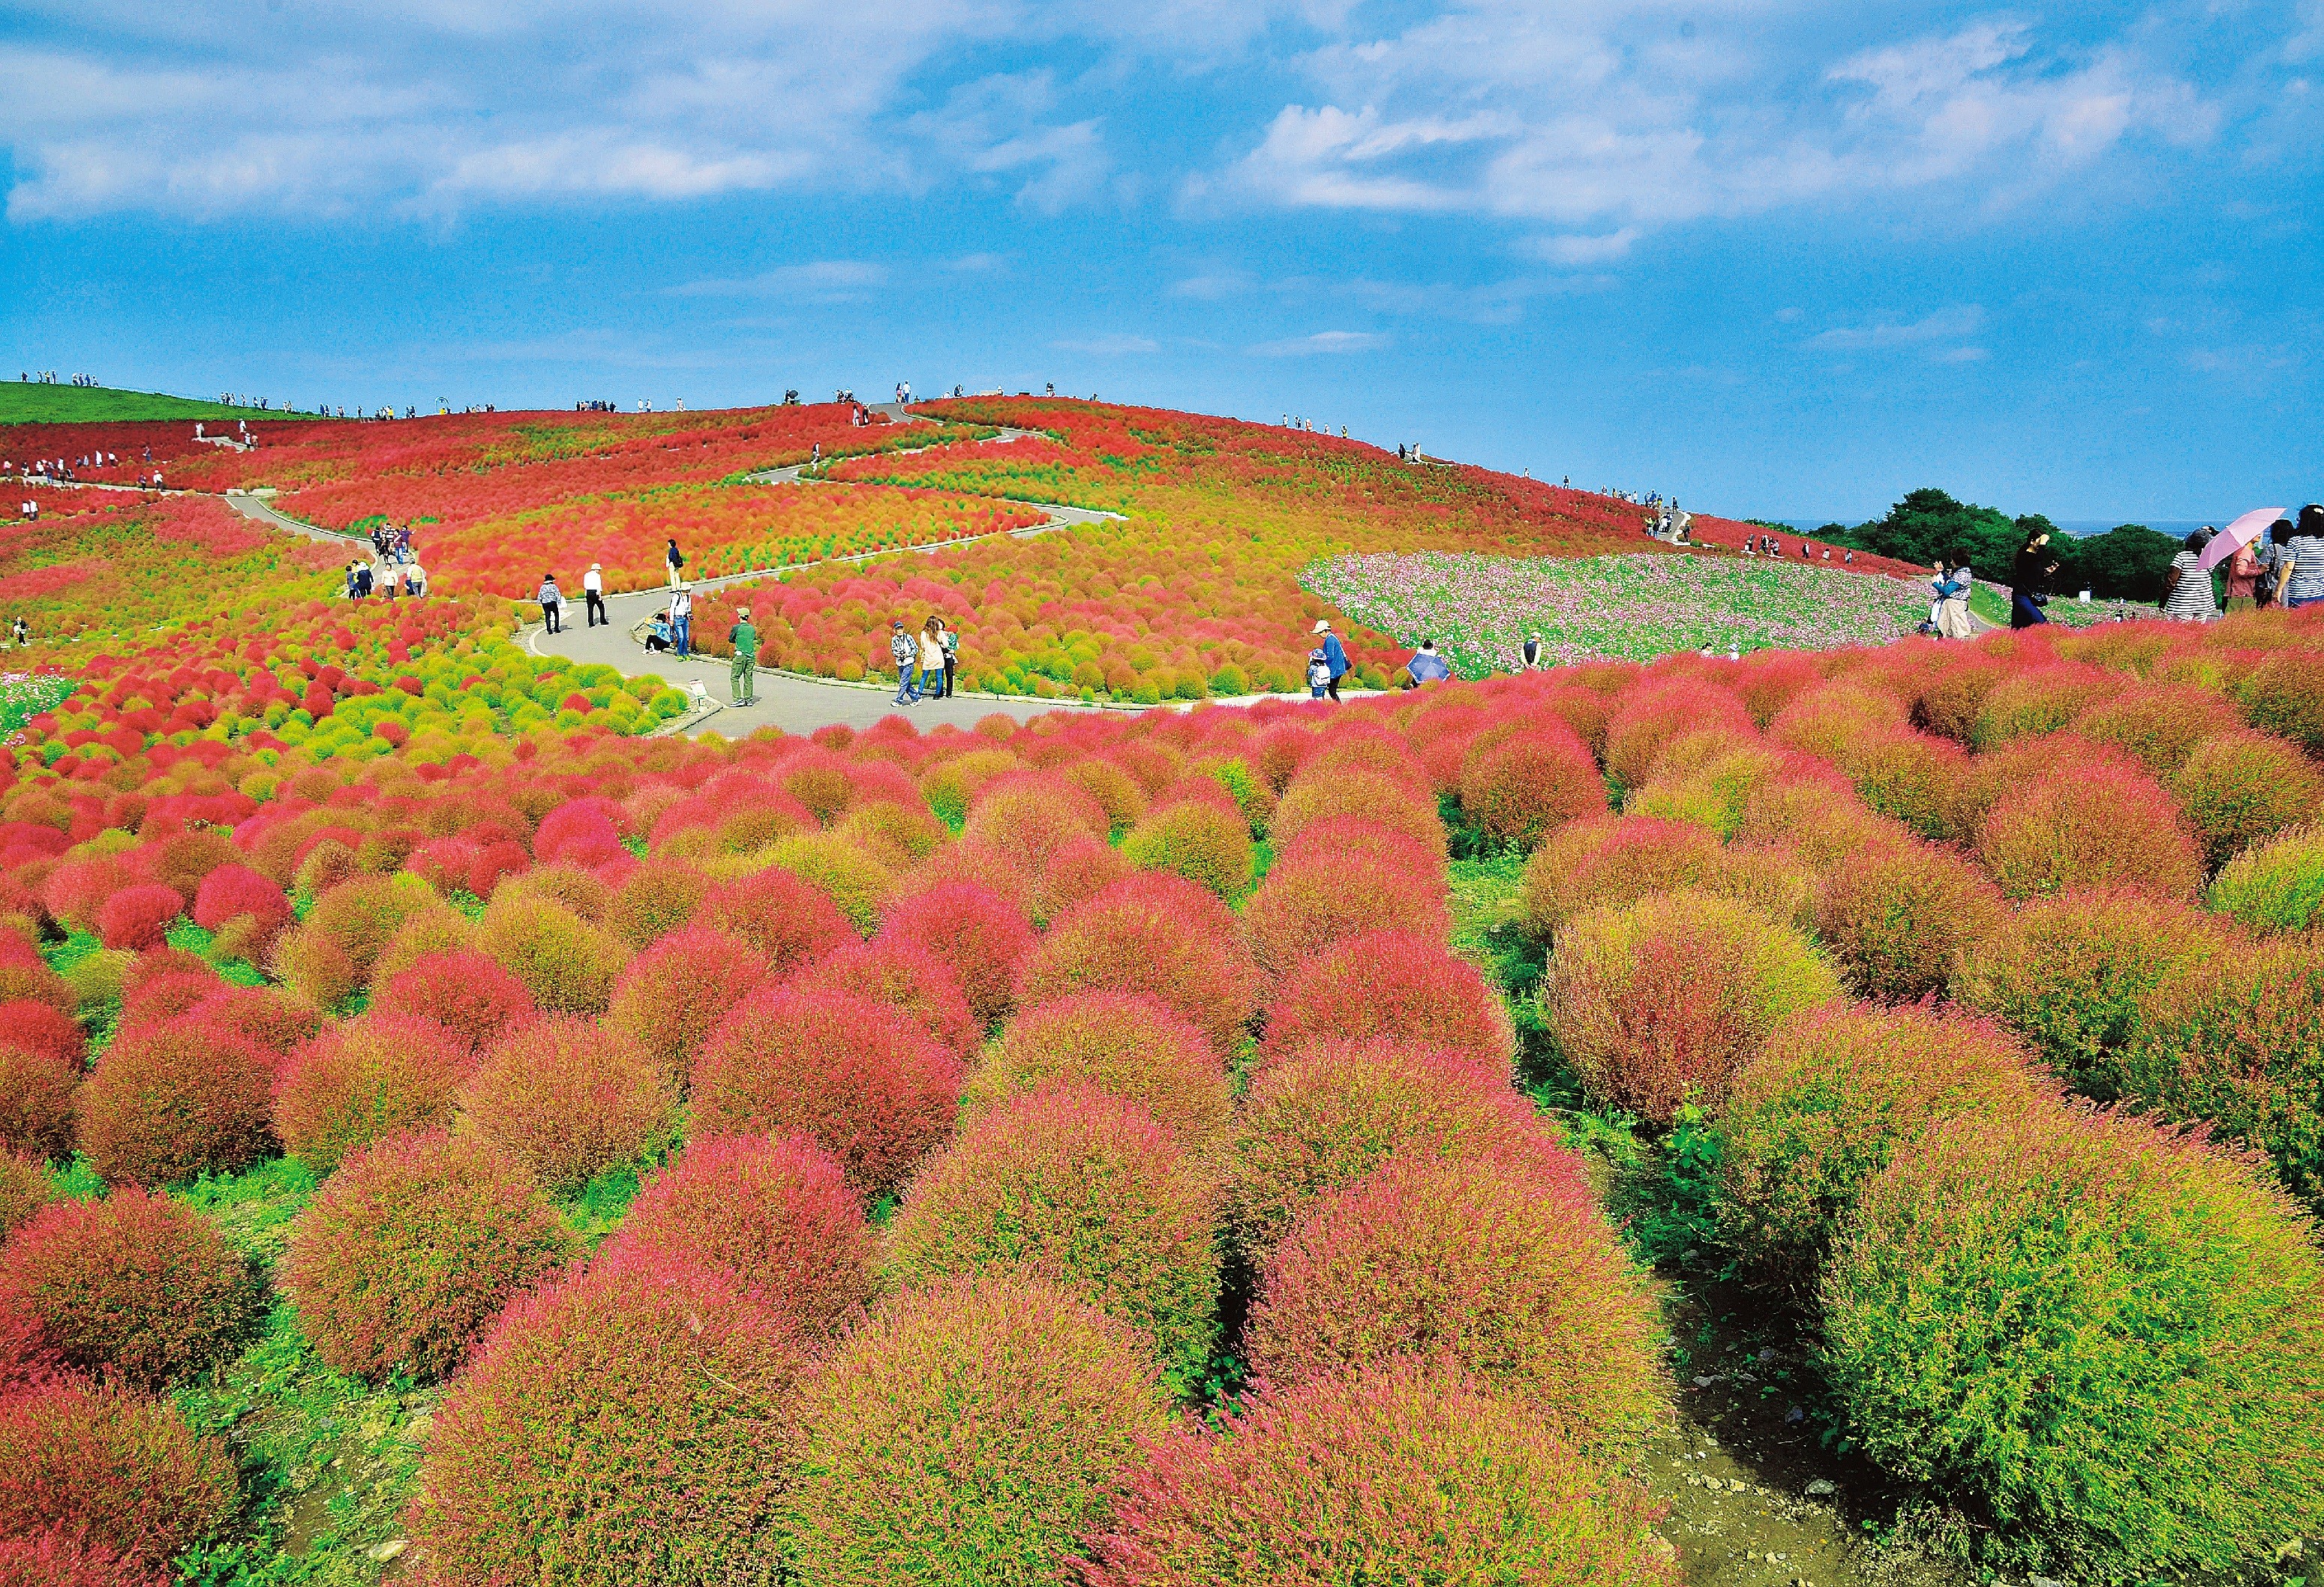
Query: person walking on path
(950,638)
(932,673)
(681,619)
(745,684)
(1335,657)
(2303,579)
(901,648)
(2028,572)
(550,602)
(675,562)
(1532,652)
(2187,583)
(1953,622)
(593,590)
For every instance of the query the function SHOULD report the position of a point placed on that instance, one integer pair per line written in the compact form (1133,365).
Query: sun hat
(1322,625)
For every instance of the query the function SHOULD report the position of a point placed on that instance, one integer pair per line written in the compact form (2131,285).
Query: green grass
(30,402)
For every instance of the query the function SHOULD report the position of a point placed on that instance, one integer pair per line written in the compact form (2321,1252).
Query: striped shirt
(2307,554)
(2191,599)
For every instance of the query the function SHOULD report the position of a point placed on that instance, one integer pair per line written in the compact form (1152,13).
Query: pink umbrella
(2239,534)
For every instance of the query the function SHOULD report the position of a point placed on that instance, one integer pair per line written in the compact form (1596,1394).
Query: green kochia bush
(967,1434)
(2107,1337)
(2276,886)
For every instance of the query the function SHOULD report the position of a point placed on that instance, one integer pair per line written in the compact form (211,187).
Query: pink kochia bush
(983,935)
(136,917)
(111,1468)
(411,1250)
(566,1098)
(1421,1478)
(674,993)
(377,1075)
(969,1432)
(633,1424)
(1506,1271)
(776,1216)
(1159,934)
(2092,822)
(475,998)
(169,1100)
(1391,984)
(135,1287)
(789,921)
(1526,785)
(237,890)
(55,1557)
(1323,897)
(857,1077)
(1129,1046)
(908,978)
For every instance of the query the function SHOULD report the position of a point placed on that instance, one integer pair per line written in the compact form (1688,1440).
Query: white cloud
(1945,325)
(1583,249)
(821,281)
(1322,341)
(1109,347)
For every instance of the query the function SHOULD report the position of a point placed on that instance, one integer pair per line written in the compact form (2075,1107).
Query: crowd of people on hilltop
(48,377)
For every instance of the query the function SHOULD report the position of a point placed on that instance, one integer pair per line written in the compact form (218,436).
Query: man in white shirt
(593,586)
(681,618)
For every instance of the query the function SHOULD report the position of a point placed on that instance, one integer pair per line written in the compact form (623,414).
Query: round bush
(166,996)
(851,879)
(867,1085)
(54,1557)
(473,997)
(2158,725)
(1521,789)
(778,914)
(1026,816)
(2039,699)
(2072,975)
(1410,807)
(1195,839)
(427,931)
(1119,1042)
(1159,936)
(2093,824)
(109,1467)
(968,1434)
(23,1189)
(1659,710)
(568,964)
(171,1100)
(135,916)
(366,1079)
(674,992)
(1515,1280)
(776,1216)
(237,890)
(2107,1336)
(1307,904)
(632,1425)
(264,1016)
(1327,1119)
(2275,887)
(1926,782)
(360,916)
(566,1099)
(37,1028)
(2243,789)
(1075,872)
(1895,925)
(1356,834)
(1654,1006)
(1824,1105)
(1418,1478)
(1393,985)
(407,1253)
(1085,1190)
(908,978)
(29,977)
(2238,1040)
(135,1286)
(1610,863)
(653,901)
(2284,695)
(1118,793)
(980,934)
(36,1102)
(897,835)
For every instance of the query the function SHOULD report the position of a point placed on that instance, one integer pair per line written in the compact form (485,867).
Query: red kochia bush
(135,1286)
(23,1191)
(1659,710)
(674,993)
(790,920)
(634,1424)
(37,1028)
(263,1015)
(1027,815)
(1611,862)
(980,934)
(109,1467)
(1322,795)
(369,1078)
(474,998)
(2285,697)
(163,997)
(1088,1191)
(36,1102)
(969,1432)
(54,1557)
(1157,935)
(2242,788)
(1522,788)
(1119,1042)
(1391,984)
(904,975)
(1331,1118)
(1307,905)
(864,1081)
(776,1216)
(411,1249)
(136,917)
(1420,1478)
(1897,924)
(2096,823)
(237,890)
(1511,1276)
(173,1099)
(566,1098)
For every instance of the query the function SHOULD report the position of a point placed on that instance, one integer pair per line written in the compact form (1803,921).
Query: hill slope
(30,403)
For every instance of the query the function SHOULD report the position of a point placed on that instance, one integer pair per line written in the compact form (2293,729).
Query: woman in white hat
(593,585)
(1335,656)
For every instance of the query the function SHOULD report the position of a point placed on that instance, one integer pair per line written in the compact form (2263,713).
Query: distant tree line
(2127,563)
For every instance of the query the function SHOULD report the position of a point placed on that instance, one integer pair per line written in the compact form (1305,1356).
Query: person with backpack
(673,560)
(744,684)
(1319,673)
(902,647)
(932,667)
(551,603)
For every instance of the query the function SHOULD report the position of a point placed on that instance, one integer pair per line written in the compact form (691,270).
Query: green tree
(2127,563)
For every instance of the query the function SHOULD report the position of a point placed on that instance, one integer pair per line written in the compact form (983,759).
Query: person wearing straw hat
(1335,657)
(593,589)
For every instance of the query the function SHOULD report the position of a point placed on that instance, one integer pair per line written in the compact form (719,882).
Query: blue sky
(1783,260)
